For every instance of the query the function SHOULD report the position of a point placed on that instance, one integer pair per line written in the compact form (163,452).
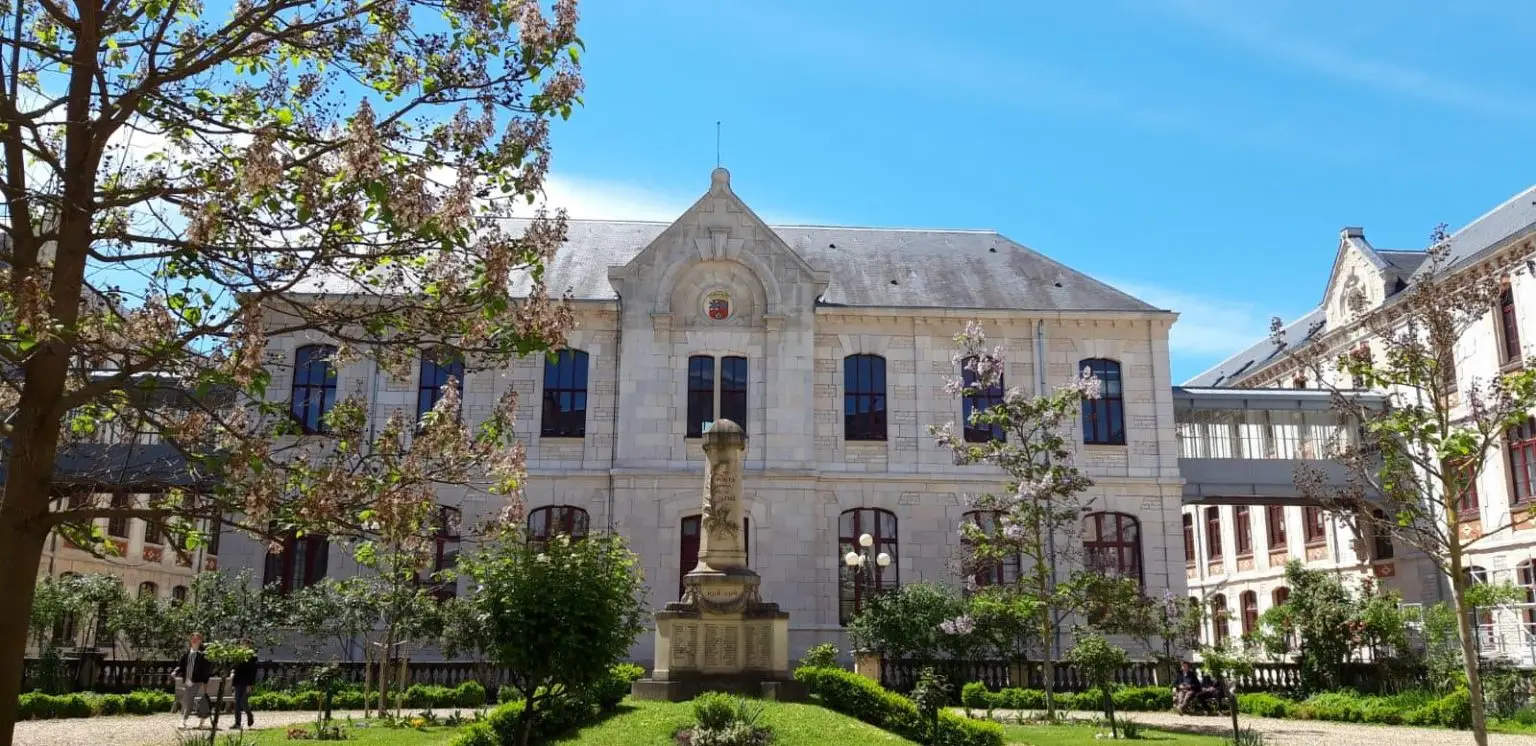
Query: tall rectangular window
(565,395)
(1213,533)
(1189,539)
(701,394)
(1312,525)
(1276,520)
(314,386)
(1521,441)
(733,390)
(979,401)
(864,397)
(301,563)
(438,367)
(117,526)
(1242,524)
(1509,327)
(1104,417)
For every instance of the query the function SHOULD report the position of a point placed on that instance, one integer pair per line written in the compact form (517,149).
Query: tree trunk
(1109,709)
(20,553)
(525,727)
(213,729)
(1469,652)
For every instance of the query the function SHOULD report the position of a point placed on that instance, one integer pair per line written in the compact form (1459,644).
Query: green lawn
(371,735)
(1073,735)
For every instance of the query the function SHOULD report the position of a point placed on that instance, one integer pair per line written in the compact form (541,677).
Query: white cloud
(1209,327)
(610,199)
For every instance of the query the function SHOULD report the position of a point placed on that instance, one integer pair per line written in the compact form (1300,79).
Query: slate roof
(868,267)
(1492,231)
(1313,324)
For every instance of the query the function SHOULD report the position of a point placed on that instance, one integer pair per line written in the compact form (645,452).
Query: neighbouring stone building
(1235,553)
(830,346)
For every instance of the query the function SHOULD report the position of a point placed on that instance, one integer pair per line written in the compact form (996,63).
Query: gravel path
(1304,732)
(136,730)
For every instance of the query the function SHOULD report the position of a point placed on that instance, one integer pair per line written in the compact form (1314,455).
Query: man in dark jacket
(244,677)
(192,675)
(1185,685)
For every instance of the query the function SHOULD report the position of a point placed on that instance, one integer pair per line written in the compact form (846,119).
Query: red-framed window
(1242,525)
(1104,417)
(301,563)
(1219,629)
(553,520)
(981,401)
(1275,520)
(1313,530)
(997,572)
(1112,545)
(314,386)
(1249,601)
(1279,596)
(565,395)
(864,397)
(1462,481)
(1213,533)
(688,550)
(179,594)
(438,367)
(1509,327)
(1521,441)
(1189,539)
(854,585)
(445,552)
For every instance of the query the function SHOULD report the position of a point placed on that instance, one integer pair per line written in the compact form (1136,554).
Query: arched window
(301,562)
(565,395)
(1112,545)
(1279,596)
(1104,417)
(864,397)
(1219,615)
(314,386)
(1381,536)
(1250,602)
(438,367)
(553,520)
(148,590)
(179,594)
(855,585)
(688,554)
(981,401)
(995,572)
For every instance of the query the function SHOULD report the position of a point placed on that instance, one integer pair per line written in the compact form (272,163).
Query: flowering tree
(1042,505)
(186,180)
(1412,475)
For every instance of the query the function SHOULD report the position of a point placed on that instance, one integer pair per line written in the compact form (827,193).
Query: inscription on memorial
(759,643)
(720,646)
(683,635)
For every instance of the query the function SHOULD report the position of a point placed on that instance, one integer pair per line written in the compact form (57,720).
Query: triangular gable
(1351,240)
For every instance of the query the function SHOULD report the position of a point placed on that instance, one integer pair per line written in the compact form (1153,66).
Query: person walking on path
(192,675)
(244,677)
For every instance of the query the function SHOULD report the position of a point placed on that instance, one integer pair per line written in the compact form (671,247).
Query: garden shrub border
(560,715)
(41,706)
(860,698)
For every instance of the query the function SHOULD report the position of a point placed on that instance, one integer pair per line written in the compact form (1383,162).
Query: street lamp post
(864,576)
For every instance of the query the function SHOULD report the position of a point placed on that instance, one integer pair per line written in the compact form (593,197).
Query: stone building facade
(831,347)
(1364,281)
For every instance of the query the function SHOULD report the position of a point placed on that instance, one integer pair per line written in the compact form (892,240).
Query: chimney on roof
(1351,231)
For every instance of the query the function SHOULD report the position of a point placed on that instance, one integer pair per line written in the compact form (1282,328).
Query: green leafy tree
(1041,506)
(465,635)
(146,628)
(1100,660)
(331,616)
(1417,460)
(558,614)
(228,605)
(390,586)
(186,181)
(904,623)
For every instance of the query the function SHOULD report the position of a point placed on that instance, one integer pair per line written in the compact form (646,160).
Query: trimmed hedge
(858,697)
(40,706)
(1127,699)
(559,715)
(1453,710)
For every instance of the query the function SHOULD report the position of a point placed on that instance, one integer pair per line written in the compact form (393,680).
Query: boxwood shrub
(558,716)
(858,697)
(1127,699)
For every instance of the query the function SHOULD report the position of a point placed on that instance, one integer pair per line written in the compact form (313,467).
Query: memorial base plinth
(680,690)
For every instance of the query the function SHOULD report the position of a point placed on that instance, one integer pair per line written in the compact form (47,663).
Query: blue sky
(1201,155)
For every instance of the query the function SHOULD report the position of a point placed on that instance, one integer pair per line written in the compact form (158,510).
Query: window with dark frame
(981,401)
(1249,601)
(554,520)
(1462,481)
(1314,531)
(314,386)
(1521,442)
(117,526)
(1219,629)
(1381,536)
(1509,328)
(1213,533)
(565,395)
(1189,539)
(1112,545)
(301,563)
(215,531)
(1104,417)
(445,554)
(852,587)
(1242,525)
(179,594)
(1003,571)
(688,549)
(1275,520)
(733,390)
(701,394)
(864,397)
(438,367)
